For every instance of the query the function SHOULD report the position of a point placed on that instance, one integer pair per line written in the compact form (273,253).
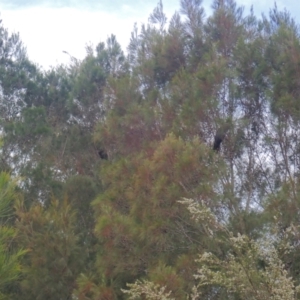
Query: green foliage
(52,262)
(82,190)
(138,216)
(10,257)
(34,123)
(249,270)
(156,113)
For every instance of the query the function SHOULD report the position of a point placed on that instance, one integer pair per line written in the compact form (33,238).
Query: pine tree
(10,254)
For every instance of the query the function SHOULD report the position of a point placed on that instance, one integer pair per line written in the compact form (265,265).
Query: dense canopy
(166,171)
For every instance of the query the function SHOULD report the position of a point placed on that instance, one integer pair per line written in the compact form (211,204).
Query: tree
(124,137)
(249,269)
(54,258)
(10,255)
(141,229)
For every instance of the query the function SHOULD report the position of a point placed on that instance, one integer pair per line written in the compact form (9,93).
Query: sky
(50,27)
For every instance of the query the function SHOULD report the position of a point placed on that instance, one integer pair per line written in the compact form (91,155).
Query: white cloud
(47,32)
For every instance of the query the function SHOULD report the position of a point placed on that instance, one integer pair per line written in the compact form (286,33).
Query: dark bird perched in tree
(103,154)
(220,135)
(255,127)
(218,140)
